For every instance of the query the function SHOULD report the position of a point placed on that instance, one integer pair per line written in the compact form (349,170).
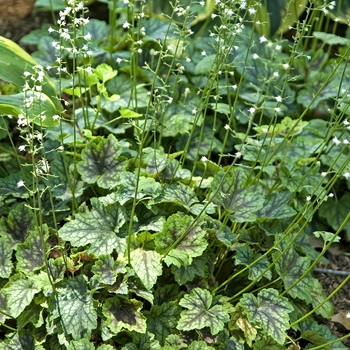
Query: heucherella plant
(161,177)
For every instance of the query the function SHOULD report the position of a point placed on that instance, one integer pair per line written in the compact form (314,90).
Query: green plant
(172,204)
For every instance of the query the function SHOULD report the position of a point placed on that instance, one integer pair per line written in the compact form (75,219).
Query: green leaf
(142,342)
(162,320)
(98,227)
(17,226)
(246,256)
(147,265)
(127,113)
(126,188)
(335,211)
(81,344)
(121,314)
(269,311)
(19,294)
(8,186)
(106,269)
(183,195)
(19,341)
(276,206)
(184,274)
(204,310)
(331,39)
(235,197)
(75,308)
(14,61)
(33,314)
(101,162)
(191,245)
(30,254)
(105,72)
(5,259)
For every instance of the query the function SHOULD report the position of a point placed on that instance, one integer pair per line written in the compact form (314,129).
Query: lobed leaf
(101,162)
(74,308)
(98,227)
(269,311)
(204,310)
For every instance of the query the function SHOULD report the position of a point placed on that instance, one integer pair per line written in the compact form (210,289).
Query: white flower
(262,39)
(251,110)
(324,173)
(278,98)
(203,53)
(308,198)
(194,111)
(227,127)
(20,183)
(238,155)
(336,141)
(347,175)
(126,25)
(204,159)
(22,148)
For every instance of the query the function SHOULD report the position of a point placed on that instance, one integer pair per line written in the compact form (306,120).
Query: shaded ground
(17,20)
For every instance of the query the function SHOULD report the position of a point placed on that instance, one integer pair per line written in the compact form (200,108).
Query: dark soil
(18,19)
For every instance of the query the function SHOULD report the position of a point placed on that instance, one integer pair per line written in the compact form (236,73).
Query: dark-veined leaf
(235,197)
(81,344)
(270,311)
(5,259)
(30,254)
(106,269)
(193,243)
(16,227)
(122,313)
(74,308)
(20,292)
(101,162)
(204,310)
(147,265)
(162,320)
(98,227)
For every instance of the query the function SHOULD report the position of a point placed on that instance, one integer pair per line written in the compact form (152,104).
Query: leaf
(121,314)
(5,259)
(14,61)
(126,188)
(183,195)
(105,72)
(142,342)
(147,265)
(269,311)
(33,314)
(99,30)
(191,245)
(8,186)
(75,308)
(162,320)
(330,39)
(30,254)
(19,341)
(17,226)
(98,227)
(276,206)
(290,268)
(184,274)
(204,310)
(107,269)
(235,197)
(101,162)
(246,256)
(335,211)
(81,344)
(19,294)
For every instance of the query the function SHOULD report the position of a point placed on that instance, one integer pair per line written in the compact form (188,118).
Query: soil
(18,19)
